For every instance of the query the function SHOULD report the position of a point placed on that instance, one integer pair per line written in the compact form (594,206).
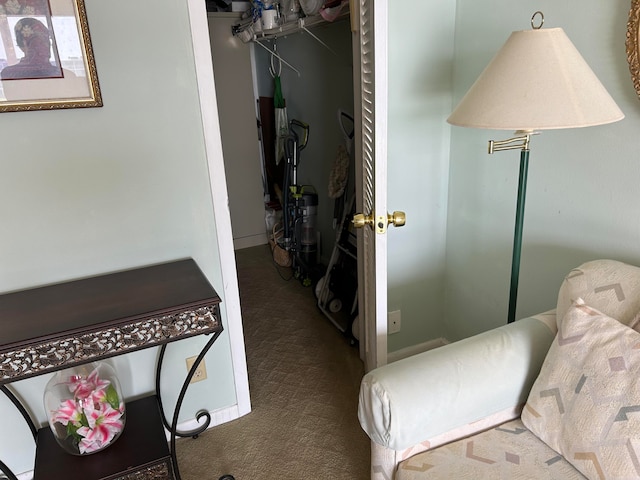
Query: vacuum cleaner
(300,208)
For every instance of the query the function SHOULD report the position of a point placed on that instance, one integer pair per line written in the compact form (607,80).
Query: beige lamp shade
(537,81)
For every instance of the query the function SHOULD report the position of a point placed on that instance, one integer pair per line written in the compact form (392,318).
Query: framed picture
(633,44)
(46,59)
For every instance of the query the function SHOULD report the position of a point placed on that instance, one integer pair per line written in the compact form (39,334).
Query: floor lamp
(536,81)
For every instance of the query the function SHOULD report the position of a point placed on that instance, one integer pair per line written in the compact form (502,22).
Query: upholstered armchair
(552,396)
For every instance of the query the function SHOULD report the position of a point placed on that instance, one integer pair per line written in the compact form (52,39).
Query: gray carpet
(304,378)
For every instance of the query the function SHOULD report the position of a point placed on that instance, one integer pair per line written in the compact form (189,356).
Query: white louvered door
(370,89)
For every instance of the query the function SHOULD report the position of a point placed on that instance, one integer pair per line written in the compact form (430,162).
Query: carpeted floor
(304,378)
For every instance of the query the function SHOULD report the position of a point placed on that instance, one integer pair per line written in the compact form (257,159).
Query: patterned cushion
(509,452)
(609,286)
(586,400)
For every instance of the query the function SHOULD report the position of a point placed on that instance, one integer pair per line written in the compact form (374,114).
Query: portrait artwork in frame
(46,58)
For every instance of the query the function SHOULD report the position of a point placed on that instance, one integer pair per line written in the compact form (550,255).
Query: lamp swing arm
(520,142)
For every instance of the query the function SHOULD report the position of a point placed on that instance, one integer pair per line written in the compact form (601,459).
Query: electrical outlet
(200,373)
(393,325)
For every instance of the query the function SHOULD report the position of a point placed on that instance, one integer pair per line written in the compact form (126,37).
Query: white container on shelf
(240,6)
(269,19)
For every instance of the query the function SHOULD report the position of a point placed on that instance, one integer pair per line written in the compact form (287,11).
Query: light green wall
(583,184)
(581,199)
(420,65)
(87,191)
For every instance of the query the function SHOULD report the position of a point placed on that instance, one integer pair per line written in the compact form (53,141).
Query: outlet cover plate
(393,325)
(200,373)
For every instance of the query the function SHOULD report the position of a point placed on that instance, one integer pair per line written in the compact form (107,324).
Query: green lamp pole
(522,143)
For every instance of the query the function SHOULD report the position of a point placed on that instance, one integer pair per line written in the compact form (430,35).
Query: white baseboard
(218,417)
(249,241)
(415,349)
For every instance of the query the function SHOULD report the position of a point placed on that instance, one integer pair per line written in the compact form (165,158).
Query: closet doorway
(326,80)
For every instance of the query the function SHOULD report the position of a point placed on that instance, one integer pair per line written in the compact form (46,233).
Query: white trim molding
(217,182)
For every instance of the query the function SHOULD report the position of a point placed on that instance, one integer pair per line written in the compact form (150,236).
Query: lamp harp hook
(533,17)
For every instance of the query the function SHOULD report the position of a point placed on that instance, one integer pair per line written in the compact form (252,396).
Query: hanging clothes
(339,173)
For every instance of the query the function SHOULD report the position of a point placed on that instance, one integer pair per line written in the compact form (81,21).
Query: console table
(54,327)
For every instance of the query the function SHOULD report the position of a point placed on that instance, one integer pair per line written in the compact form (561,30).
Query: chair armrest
(417,398)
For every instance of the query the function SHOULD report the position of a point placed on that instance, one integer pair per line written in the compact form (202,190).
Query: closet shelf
(246,33)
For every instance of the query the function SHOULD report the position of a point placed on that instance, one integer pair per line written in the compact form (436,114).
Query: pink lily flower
(69,411)
(104,424)
(83,387)
(86,446)
(96,398)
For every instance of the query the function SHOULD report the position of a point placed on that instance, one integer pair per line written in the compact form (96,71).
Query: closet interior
(284,83)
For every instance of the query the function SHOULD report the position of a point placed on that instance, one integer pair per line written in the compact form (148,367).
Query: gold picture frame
(633,50)
(29,31)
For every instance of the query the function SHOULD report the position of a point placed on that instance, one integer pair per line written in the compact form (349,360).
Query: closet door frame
(213,144)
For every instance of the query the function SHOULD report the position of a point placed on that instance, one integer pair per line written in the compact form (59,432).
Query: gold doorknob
(380,223)
(398,219)
(360,220)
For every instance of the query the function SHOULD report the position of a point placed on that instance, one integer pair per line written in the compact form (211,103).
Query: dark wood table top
(128,310)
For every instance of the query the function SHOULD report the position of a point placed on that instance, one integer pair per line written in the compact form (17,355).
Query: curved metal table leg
(173,427)
(34,431)
(7,471)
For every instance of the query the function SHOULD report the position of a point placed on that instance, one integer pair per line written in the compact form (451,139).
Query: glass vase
(85,408)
